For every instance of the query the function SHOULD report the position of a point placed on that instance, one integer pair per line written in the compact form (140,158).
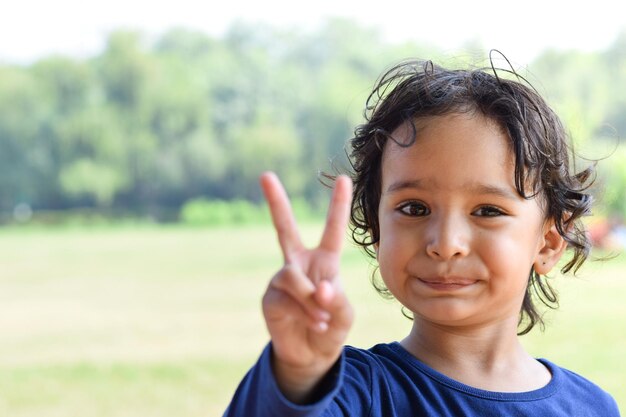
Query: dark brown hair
(416,89)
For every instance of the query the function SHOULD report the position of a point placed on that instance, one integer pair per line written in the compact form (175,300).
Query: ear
(553,246)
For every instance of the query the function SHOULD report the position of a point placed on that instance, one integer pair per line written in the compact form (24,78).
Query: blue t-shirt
(387,381)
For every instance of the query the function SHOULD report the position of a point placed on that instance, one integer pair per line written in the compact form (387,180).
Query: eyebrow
(470,188)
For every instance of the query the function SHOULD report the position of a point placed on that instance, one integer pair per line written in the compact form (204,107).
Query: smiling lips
(447,284)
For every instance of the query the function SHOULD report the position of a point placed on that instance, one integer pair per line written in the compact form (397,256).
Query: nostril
(445,253)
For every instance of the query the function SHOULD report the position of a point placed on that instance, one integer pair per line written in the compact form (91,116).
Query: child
(463,194)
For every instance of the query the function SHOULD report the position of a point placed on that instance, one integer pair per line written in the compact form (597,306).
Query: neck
(488,357)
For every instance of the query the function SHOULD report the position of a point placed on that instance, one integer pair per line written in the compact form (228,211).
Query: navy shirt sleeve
(258,394)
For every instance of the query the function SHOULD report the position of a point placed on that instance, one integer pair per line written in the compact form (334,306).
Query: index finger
(338,215)
(282,215)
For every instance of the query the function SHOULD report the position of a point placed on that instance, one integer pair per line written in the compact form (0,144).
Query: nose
(447,237)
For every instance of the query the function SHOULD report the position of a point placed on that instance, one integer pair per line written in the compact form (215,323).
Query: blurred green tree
(148,125)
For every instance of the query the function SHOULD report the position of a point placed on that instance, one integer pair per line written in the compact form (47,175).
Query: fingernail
(322,326)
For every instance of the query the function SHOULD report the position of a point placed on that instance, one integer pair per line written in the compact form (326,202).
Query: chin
(450,316)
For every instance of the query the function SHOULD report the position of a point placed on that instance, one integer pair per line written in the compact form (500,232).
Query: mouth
(447,284)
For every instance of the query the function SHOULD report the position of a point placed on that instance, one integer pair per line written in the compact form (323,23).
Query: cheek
(396,248)
(389,251)
(509,260)
(395,236)
(389,244)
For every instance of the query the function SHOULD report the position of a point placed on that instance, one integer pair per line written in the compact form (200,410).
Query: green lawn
(164,321)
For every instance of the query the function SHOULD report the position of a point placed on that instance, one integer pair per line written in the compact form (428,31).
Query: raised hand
(306,311)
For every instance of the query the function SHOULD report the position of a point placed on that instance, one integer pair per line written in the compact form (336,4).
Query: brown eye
(414,209)
(488,211)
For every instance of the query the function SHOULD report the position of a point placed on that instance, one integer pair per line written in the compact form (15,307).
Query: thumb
(333,299)
(324,294)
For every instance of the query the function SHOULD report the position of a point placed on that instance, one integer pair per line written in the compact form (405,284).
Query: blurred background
(134,243)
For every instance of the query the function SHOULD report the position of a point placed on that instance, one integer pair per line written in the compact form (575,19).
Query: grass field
(160,321)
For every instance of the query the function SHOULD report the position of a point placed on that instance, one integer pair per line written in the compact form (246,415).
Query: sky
(32,29)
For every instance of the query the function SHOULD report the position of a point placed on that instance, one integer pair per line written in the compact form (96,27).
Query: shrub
(200,211)
(204,212)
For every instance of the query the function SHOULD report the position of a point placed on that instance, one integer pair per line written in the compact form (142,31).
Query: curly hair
(417,89)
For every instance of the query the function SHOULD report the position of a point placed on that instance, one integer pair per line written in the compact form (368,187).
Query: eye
(414,209)
(488,211)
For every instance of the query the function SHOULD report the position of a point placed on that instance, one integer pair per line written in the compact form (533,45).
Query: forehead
(449,151)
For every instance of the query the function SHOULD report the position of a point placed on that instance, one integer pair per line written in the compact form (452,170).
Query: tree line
(148,125)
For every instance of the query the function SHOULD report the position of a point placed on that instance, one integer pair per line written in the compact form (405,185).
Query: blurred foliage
(200,211)
(145,127)
(204,212)
(613,176)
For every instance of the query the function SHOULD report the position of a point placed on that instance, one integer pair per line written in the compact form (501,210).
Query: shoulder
(385,366)
(378,358)
(372,367)
(362,365)
(575,389)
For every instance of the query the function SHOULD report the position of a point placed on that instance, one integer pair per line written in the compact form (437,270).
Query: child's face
(457,242)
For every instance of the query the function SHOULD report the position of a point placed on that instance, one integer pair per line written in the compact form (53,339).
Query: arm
(306,312)
(258,394)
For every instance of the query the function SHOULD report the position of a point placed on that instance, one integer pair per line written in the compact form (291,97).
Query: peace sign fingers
(306,311)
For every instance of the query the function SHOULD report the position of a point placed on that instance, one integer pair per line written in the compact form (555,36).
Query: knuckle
(292,281)
(276,303)
(271,297)
(284,278)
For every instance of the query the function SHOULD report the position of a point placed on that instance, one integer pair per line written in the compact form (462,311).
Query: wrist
(305,385)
